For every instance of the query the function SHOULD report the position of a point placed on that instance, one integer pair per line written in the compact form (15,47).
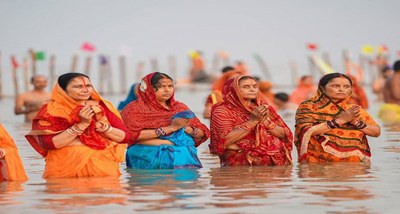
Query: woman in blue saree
(165,133)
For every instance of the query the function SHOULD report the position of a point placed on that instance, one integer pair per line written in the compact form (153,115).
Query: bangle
(110,128)
(273,127)
(104,128)
(330,124)
(4,153)
(160,132)
(361,125)
(195,131)
(335,123)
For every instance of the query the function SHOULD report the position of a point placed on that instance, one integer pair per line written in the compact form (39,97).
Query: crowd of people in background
(80,134)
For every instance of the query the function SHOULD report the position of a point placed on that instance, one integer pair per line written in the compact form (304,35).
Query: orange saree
(338,144)
(11,167)
(98,156)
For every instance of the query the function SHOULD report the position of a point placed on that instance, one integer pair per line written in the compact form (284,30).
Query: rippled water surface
(308,188)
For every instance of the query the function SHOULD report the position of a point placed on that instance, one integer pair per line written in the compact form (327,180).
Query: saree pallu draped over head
(259,147)
(338,144)
(59,114)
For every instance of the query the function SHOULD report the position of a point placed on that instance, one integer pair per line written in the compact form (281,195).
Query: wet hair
(386,69)
(227,68)
(396,66)
(305,77)
(282,96)
(64,79)
(155,80)
(257,78)
(328,77)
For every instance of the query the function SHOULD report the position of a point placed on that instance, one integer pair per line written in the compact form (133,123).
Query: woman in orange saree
(11,167)
(78,132)
(245,131)
(328,129)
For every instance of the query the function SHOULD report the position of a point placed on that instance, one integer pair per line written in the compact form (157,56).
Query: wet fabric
(259,147)
(13,168)
(147,113)
(338,144)
(98,157)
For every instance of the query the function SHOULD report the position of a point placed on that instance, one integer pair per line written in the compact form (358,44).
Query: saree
(147,113)
(345,144)
(259,147)
(98,156)
(13,167)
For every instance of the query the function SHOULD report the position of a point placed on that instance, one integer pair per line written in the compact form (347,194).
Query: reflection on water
(305,188)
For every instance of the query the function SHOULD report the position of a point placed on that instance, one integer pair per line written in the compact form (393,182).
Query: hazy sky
(278,30)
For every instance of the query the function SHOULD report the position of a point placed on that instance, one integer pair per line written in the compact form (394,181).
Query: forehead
(40,78)
(247,82)
(165,81)
(339,80)
(79,81)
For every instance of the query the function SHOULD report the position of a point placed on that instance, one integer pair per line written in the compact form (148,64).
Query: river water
(306,188)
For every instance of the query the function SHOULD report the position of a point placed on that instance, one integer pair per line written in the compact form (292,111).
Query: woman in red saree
(165,133)
(245,131)
(11,167)
(78,132)
(328,129)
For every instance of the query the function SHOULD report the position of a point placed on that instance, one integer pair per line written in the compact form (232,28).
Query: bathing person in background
(379,83)
(328,129)
(390,110)
(29,103)
(305,89)
(78,132)
(132,95)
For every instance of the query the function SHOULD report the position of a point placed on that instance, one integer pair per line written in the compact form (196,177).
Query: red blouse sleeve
(116,122)
(47,141)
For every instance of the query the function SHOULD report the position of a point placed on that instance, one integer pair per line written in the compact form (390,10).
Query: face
(165,90)
(248,89)
(39,82)
(338,88)
(79,89)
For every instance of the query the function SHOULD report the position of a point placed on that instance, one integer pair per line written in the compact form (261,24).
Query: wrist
(82,125)
(339,121)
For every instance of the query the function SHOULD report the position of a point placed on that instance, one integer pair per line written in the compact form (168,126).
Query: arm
(117,131)
(20,108)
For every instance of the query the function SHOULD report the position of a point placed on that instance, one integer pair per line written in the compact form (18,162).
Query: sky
(276,30)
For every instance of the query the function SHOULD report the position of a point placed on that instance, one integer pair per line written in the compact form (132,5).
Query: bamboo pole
(215,65)
(154,65)
(109,75)
(52,69)
(25,68)
(88,65)
(327,59)
(102,68)
(312,67)
(172,66)
(14,76)
(139,71)
(74,63)
(33,59)
(122,72)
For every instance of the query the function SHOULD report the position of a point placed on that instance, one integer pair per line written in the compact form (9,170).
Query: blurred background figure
(390,110)
(197,72)
(284,108)
(132,95)
(358,95)
(241,66)
(215,96)
(29,103)
(265,90)
(379,82)
(304,90)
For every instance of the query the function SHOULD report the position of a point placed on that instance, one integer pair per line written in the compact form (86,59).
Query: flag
(40,55)
(367,49)
(14,62)
(382,49)
(88,47)
(312,46)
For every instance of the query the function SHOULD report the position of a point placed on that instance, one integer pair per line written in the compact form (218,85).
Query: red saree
(259,147)
(147,113)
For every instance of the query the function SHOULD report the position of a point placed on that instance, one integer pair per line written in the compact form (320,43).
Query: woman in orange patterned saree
(245,131)
(11,167)
(328,129)
(78,132)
